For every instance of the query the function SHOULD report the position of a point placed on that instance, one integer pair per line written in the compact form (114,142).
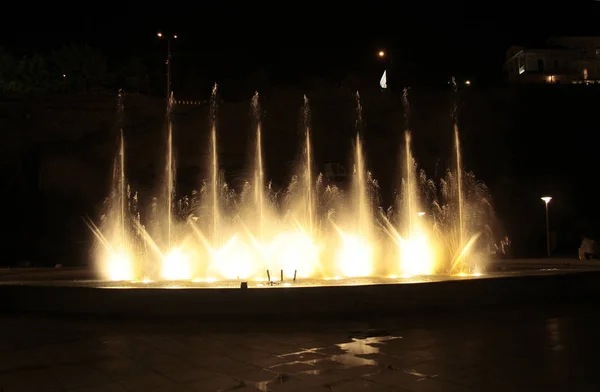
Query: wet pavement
(525,349)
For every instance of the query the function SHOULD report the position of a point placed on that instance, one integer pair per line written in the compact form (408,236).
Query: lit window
(585,74)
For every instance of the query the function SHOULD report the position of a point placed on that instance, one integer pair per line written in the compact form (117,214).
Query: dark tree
(83,68)
(133,76)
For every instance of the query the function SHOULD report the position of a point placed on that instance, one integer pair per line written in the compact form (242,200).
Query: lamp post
(546,200)
(168,62)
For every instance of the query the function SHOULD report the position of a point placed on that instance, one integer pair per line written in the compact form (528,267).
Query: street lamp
(546,200)
(168,62)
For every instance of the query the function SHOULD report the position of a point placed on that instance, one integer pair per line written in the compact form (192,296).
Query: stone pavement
(520,350)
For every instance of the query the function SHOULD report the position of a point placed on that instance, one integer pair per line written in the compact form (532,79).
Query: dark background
(523,142)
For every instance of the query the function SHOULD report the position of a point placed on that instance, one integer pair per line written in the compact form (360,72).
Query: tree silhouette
(83,68)
(8,66)
(133,76)
(32,75)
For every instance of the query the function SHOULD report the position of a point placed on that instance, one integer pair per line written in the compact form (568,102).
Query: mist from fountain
(310,230)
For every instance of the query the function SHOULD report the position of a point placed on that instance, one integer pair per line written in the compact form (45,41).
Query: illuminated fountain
(310,231)
(214,166)
(415,246)
(464,213)
(114,234)
(355,250)
(259,174)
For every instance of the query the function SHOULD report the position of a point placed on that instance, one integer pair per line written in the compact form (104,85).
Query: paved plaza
(521,350)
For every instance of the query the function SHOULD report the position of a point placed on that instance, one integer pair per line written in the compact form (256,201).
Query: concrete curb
(382,300)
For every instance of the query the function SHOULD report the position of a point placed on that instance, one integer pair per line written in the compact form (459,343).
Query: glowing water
(308,168)
(410,191)
(312,233)
(122,186)
(364,215)
(459,172)
(214,166)
(259,180)
(416,245)
(459,187)
(121,176)
(170,179)
(354,257)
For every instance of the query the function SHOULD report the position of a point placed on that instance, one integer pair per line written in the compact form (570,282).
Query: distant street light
(468,82)
(168,62)
(381,53)
(546,200)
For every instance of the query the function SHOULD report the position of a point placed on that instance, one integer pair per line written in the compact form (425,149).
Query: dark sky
(290,38)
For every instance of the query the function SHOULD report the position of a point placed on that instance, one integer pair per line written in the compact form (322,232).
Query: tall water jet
(355,255)
(360,173)
(170,171)
(115,253)
(410,195)
(459,169)
(214,164)
(416,253)
(122,183)
(259,181)
(308,166)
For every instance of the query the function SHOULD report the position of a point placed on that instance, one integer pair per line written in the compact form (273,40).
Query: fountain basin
(304,298)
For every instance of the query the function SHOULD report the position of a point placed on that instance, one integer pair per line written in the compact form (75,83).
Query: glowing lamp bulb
(159,35)
(381,53)
(546,199)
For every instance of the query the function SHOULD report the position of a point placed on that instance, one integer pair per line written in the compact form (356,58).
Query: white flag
(383,81)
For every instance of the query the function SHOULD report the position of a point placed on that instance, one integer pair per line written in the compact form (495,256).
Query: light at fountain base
(176,265)
(119,267)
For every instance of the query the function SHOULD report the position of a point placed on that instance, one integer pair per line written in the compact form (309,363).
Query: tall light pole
(546,200)
(168,38)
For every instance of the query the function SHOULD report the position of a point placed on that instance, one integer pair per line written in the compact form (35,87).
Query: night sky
(303,39)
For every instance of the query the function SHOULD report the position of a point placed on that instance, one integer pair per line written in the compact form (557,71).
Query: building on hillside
(565,60)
